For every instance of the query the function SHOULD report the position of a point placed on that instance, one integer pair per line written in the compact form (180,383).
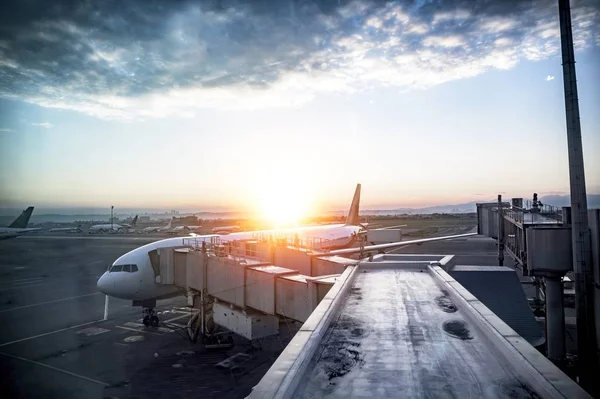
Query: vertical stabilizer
(23,219)
(134,221)
(352,219)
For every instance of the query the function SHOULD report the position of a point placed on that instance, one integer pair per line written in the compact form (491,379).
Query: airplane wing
(392,245)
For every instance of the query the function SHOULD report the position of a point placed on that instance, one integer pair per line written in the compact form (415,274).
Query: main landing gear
(150,317)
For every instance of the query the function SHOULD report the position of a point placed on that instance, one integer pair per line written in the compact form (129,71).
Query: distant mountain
(565,200)
(467,207)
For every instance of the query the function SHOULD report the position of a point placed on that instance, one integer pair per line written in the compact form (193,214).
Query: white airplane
(132,276)
(19,225)
(184,229)
(226,229)
(152,229)
(75,229)
(114,227)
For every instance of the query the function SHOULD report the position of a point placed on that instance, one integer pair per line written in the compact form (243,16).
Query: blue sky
(422,105)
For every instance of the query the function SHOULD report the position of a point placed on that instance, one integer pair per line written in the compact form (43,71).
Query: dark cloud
(103,55)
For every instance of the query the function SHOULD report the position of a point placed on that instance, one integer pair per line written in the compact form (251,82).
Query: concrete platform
(409,330)
(399,334)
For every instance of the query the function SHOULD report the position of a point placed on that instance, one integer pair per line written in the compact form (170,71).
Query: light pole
(111,216)
(582,259)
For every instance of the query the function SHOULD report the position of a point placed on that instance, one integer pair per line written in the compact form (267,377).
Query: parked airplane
(184,229)
(19,225)
(76,229)
(132,276)
(226,229)
(152,229)
(114,227)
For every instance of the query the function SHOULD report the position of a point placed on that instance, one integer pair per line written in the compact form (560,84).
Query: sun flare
(283,212)
(282,205)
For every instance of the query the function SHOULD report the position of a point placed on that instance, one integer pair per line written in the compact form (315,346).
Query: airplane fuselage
(10,232)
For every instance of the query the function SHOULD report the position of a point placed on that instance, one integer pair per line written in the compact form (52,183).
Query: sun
(282,205)
(280,192)
(283,210)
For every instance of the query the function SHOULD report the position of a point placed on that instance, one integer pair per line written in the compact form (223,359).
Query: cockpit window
(124,268)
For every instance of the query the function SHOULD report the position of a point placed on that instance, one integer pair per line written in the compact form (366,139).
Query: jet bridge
(247,286)
(393,327)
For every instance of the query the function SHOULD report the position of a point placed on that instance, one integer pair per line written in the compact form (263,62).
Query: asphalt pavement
(54,342)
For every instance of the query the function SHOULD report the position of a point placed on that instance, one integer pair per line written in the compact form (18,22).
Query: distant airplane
(152,229)
(114,227)
(75,229)
(226,229)
(184,229)
(132,276)
(19,225)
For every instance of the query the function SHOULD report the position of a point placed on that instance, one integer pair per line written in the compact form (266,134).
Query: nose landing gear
(150,318)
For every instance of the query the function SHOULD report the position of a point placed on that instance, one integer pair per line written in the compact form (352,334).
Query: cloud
(144,59)
(549,78)
(4,129)
(46,125)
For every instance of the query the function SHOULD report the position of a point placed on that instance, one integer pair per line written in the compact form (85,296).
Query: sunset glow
(189,106)
(281,201)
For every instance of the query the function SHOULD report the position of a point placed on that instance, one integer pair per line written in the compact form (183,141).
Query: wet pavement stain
(341,358)
(457,329)
(445,303)
(516,390)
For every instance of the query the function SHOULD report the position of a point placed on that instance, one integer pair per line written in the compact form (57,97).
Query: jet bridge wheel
(154,321)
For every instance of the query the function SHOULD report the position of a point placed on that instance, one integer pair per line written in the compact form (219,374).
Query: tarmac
(54,342)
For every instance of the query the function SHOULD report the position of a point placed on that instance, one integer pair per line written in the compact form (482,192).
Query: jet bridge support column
(500,232)
(555,320)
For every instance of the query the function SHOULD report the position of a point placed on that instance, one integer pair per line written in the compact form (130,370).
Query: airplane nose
(106,284)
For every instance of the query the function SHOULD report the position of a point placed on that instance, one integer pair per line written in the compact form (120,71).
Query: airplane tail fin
(23,219)
(134,221)
(352,219)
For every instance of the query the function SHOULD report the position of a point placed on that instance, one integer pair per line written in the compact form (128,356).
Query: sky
(222,105)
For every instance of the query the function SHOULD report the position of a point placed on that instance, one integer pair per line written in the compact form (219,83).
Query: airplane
(132,277)
(76,229)
(152,229)
(226,229)
(114,227)
(19,225)
(184,229)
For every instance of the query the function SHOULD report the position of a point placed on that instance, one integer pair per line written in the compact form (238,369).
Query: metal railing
(544,214)
(292,239)
(235,250)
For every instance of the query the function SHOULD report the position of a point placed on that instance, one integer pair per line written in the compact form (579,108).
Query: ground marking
(49,333)
(49,302)
(139,330)
(56,369)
